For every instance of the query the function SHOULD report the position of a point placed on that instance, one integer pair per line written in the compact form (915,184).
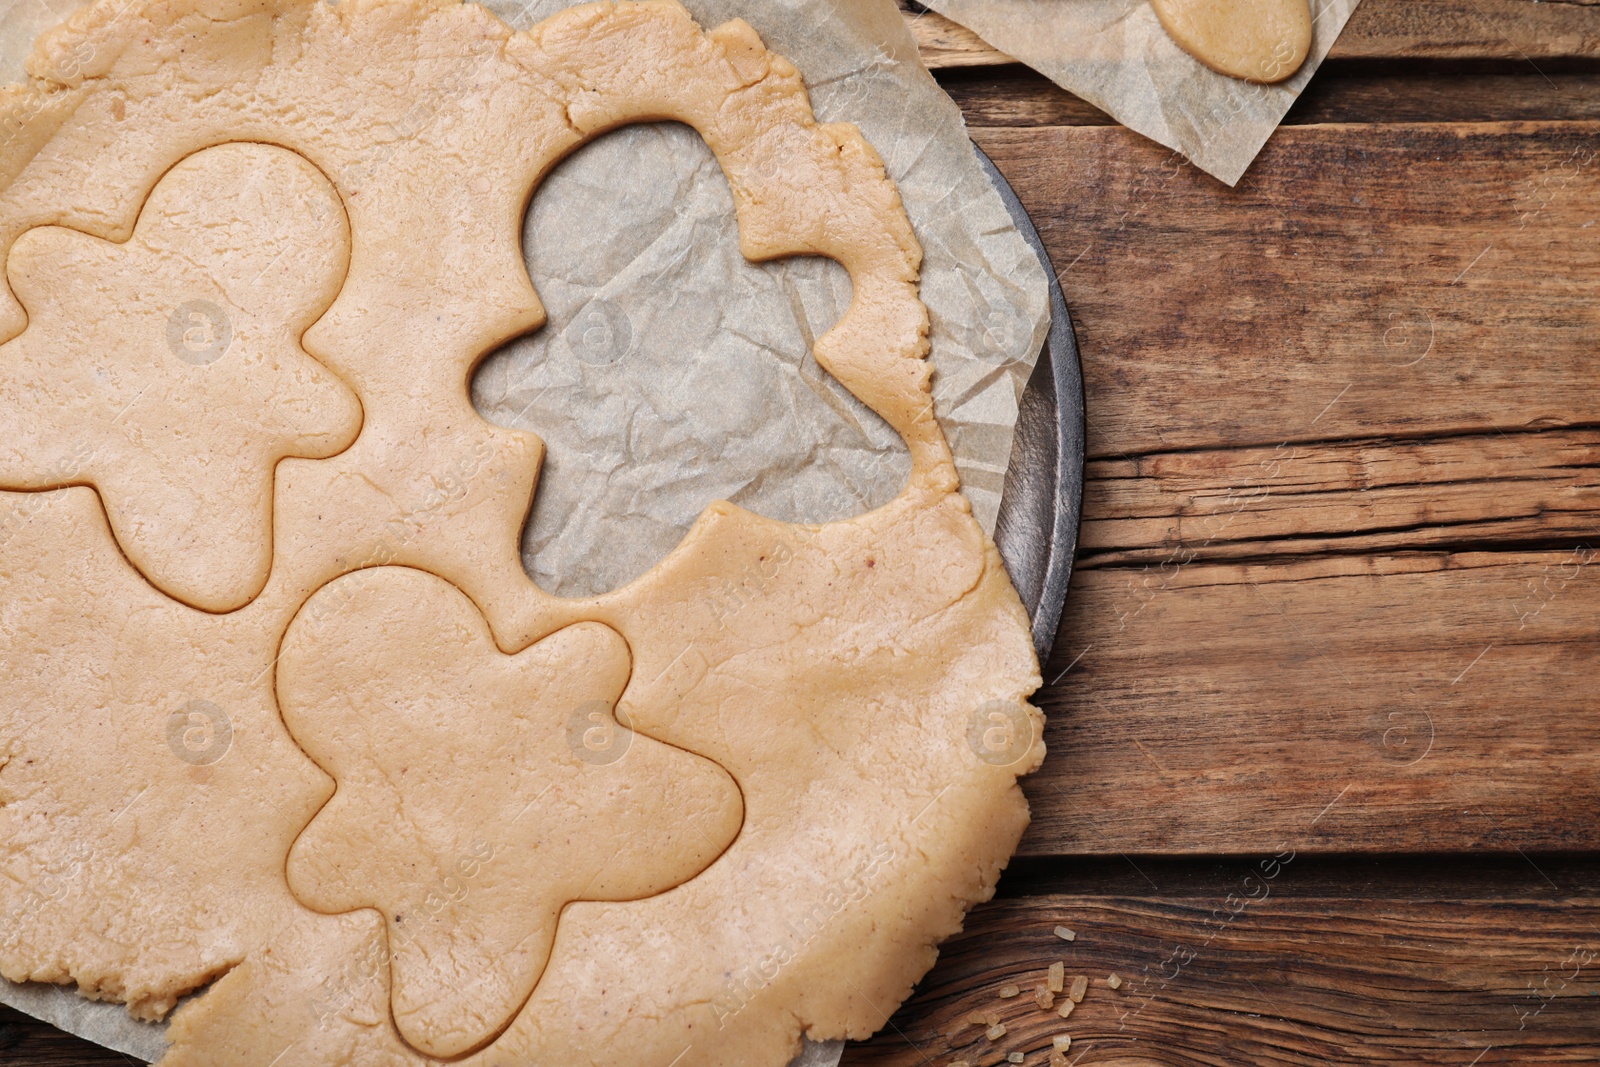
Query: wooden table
(1324,784)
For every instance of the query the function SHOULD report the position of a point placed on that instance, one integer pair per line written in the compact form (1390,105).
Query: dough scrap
(167,371)
(1262,41)
(838,689)
(479,793)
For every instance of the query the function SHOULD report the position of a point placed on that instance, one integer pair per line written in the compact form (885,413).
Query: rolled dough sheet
(850,679)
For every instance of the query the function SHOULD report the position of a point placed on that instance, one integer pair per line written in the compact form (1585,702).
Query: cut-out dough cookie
(167,371)
(1262,41)
(478,793)
(844,676)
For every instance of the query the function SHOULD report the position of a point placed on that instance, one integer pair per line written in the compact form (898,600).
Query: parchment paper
(1116,55)
(672,373)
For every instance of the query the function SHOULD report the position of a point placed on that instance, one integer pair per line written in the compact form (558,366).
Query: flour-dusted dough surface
(151,793)
(167,371)
(479,793)
(1257,40)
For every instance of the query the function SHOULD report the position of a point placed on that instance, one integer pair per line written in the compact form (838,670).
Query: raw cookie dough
(846,693)
(167,371)
(1255,40)
(479,793)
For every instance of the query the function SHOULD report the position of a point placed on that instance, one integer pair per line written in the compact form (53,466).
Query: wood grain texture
(1382,344)
(1385,702)
(1341,93)
(1372,495)
(1392,92)
(27,1042)
(1246,974)
(1527,31)
(1396,281)
(947,45)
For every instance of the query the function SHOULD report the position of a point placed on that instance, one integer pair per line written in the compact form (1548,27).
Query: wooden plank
(1392,93)
(1415,368)
(27,1042)
(1379,876)
(1412,702)
(1533,488)
(1017,97)
(1363,281)
(1526,31)
(1341,92)
(1248,974)
(945,44)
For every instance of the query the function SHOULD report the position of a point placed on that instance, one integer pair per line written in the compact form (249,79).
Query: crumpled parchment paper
(1116,55)
(672,373)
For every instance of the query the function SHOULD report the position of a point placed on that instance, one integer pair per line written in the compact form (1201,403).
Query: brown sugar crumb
(1058,972)
(978,1018)
(1058,1060)
(1044,998)
(995,1032)
(1009,991)
(1065,1008)
(1115,981)
(1065,934)
(1015,1057)
(1061,1042)
(1080,986)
